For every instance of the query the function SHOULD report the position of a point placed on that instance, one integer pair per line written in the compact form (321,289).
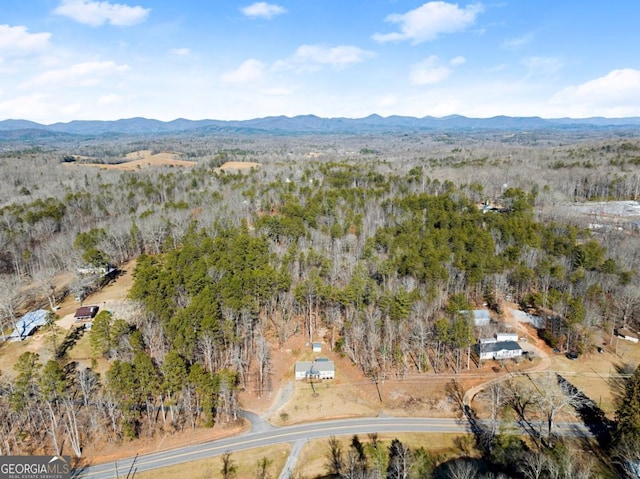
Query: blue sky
(63,60)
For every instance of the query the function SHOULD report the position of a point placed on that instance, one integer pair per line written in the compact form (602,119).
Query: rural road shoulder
(289,434)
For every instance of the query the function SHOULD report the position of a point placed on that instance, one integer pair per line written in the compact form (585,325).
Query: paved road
(290,434)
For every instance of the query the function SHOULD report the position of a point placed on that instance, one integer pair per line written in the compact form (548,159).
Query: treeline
(381,263)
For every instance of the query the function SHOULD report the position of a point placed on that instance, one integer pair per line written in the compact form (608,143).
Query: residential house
(499,350)
(86,312)
(321,368)
(28,324)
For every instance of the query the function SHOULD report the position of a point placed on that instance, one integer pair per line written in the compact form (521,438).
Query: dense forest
(377,243)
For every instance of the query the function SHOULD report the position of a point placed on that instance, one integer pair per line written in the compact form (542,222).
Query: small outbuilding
(499,350)
(316,347)
(318,369)
(86,312)
(480,317)
(627,335)
(506,337)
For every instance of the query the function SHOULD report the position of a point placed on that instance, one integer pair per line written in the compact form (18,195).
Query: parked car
(572,356)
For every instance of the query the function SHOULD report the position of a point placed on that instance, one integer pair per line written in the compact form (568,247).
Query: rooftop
(500,346)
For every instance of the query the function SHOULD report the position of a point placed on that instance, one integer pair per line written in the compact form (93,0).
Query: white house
(319,369)
(499,350)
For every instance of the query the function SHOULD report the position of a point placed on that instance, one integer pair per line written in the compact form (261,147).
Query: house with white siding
(321,368)
(499,350)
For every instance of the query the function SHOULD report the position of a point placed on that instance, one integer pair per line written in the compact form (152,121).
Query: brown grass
(245,461)
(312,461)
(239,165)
(140,159)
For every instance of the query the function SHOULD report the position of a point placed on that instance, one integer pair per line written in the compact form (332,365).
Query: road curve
(289,434)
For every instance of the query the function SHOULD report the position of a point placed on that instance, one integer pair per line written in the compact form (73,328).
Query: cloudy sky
(62,60)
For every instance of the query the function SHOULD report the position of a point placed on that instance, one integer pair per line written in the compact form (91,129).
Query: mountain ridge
(281,124)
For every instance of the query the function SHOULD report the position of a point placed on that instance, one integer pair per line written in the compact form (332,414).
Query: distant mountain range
(311,124)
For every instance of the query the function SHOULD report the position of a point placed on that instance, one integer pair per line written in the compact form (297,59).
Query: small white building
(316,347)
(321,368)
(499,350)
(627,335)
(506,337)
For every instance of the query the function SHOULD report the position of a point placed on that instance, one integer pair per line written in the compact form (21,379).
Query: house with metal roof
(318,369)
(86,312)
(499,350)
(480,317)
(28,324)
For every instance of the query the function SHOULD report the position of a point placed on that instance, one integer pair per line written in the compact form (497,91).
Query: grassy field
(245,461)
(140,159)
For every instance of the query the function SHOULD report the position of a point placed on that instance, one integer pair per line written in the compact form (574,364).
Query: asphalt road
(266,435)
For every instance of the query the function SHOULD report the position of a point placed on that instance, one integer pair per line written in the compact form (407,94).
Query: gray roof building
(499,350)
(320,369)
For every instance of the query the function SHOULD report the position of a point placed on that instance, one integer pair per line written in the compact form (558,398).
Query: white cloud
(429,21)
(615,94)
(251,71)
(98,13)
(387,101)
(518,42)
(80,74)
(432,70)
(278,91)
(313,57)
(429,71)
(543,65)
(181,52)
(263,10)
(111,99)
(16,41)
(32,106)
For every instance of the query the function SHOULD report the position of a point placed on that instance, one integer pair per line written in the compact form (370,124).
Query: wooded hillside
(375,243)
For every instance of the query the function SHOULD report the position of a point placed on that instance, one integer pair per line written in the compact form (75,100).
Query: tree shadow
(617,382)
(590,413)
(69,341)
(480,431)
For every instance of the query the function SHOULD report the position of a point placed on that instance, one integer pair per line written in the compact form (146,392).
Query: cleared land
(141,159)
